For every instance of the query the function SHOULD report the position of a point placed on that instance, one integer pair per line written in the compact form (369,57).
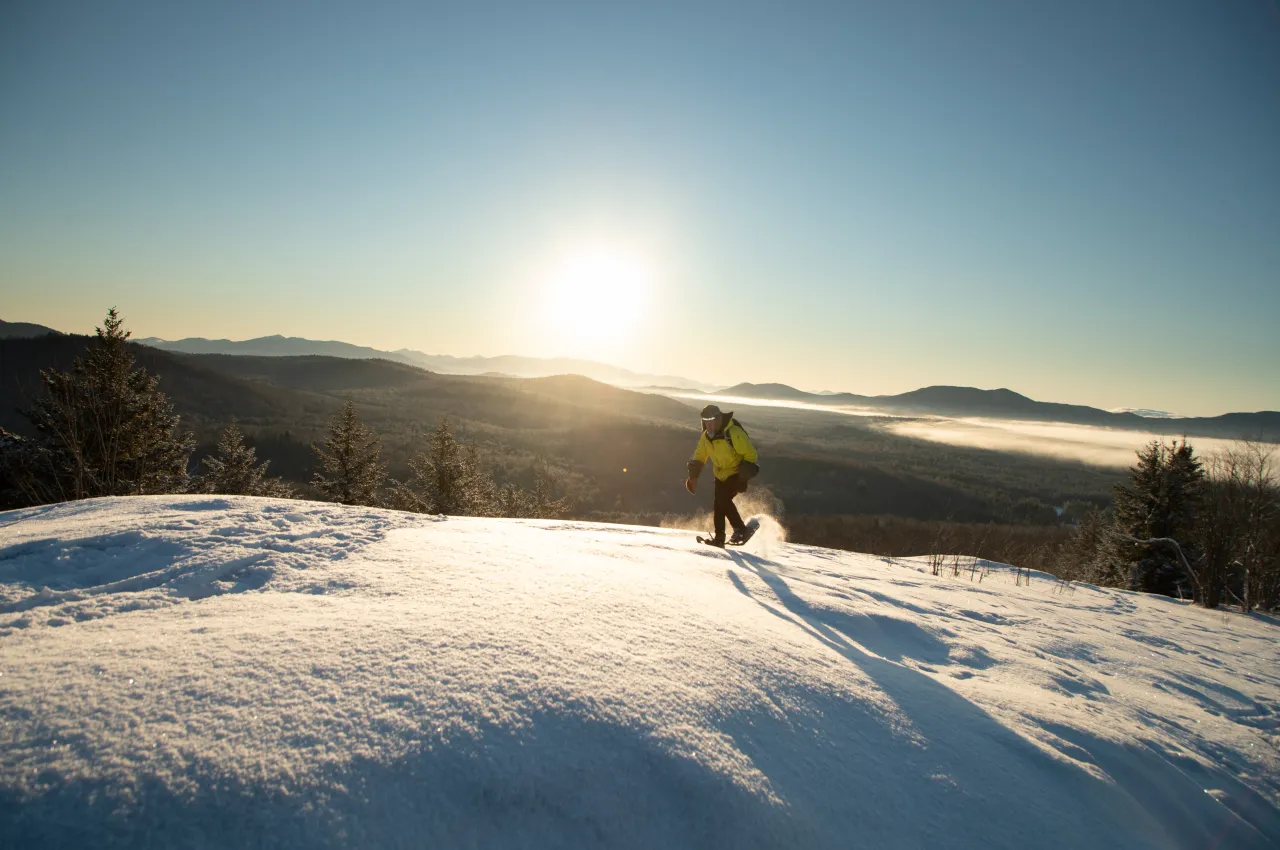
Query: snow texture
(231,672)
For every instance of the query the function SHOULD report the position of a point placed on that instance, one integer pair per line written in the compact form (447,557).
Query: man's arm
(700,455)
(699,460)
(742,444)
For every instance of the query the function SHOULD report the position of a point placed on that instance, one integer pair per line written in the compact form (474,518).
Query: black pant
(724,506)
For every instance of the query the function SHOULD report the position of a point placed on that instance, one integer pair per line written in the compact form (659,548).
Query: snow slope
(195,672)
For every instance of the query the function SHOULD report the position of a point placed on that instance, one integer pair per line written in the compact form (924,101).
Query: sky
(1078,201)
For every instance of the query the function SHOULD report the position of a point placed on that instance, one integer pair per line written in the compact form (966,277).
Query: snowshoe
(742,535)
(710,541)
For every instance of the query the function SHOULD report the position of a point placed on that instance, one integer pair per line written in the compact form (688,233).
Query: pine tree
(441,471)
(236,471)
(1159,504)
(418,494)
(1079,556)
(351,457)
(106,428)
(479,492)
(513,502)
(21,463)
(447,479)
(543,504)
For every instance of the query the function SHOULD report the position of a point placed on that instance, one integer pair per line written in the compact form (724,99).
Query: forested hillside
(618,453)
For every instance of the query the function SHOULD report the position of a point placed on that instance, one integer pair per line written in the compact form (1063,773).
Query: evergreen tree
(21,462)
(351,458)
(441,471)
(447,479)
(106,428)
(479,492)
(544,505)
(1159,504)
(1079,556)
(236,471)
(514,502)
(410,495)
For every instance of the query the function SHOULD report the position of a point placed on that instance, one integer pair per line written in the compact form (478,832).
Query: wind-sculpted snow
(227,672)
(165,551)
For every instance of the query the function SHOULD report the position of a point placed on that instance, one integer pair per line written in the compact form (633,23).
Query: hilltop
(231,671)
(23,330)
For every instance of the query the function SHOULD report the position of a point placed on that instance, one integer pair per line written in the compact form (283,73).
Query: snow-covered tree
(351,460)
(442,471)
(479,492)
(235,470)
(447,479)
(513,502)
(1079,558)
(543,503)
(106,428)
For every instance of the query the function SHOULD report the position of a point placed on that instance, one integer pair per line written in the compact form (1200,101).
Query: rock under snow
(206,672)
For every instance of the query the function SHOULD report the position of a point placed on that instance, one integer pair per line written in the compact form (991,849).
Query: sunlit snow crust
(196,671)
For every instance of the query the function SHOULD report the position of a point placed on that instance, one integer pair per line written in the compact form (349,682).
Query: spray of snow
(757,506)
(184,671)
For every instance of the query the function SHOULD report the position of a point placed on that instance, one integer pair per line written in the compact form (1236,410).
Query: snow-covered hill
(195,671)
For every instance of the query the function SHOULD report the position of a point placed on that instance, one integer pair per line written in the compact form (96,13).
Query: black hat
(711,412)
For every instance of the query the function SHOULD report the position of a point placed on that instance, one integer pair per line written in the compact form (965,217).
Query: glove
(691,484)
(748,470)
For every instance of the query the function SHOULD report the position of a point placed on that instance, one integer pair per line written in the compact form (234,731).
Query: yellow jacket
(726,452)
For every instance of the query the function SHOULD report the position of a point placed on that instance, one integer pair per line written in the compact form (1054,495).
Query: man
(733,463)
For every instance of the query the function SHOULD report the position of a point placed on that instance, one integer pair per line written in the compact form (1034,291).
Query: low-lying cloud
(1107,447)
(729,402)
(1084,443)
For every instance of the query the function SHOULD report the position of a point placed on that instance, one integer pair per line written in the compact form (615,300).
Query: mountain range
(620,454)
(927,401)
(1007,404)
(509,365)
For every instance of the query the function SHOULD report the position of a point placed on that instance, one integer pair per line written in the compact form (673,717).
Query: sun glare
(595,296)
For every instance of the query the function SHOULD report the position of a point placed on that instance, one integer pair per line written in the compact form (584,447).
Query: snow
(1148,413)
(226,672)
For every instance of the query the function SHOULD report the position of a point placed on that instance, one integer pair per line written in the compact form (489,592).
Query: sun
(595,296)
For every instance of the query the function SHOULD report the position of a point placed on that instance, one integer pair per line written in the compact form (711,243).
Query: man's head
(712,418)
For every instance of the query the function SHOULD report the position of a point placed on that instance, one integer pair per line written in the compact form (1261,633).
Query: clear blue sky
(1080,201)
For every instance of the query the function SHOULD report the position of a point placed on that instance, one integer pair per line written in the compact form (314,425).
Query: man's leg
(731,488)
(721,506)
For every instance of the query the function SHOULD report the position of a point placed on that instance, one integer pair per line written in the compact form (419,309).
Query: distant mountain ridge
(1007,404)
(24,330)
(271,346)
(929,401)
(510,364)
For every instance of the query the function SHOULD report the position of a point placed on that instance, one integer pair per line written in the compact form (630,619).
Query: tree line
(1032,546)
(1201,529)
(104,428)
(445,478)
